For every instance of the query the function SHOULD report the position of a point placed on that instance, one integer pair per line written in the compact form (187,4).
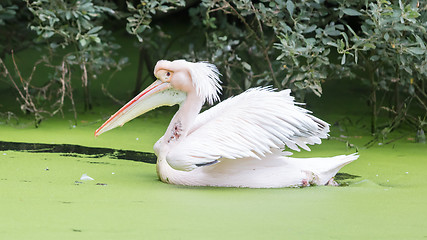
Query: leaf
(346,39)
(68,15)
(299,85)
(48,34)
(416,50)
(280,56)
(71,57)
(356,57)
(96,39)
(290,6)
(331,31)
(247,66)
(411,90)
(332,44)
(420,41)
(130,6)
(401,27)
(343,59)
(352,31)
(123,60)
(310,29)
(139,38)
(53,45)
(351,12)
(94,30)
(83,42)
(386,36)
(369,46)
(374,58)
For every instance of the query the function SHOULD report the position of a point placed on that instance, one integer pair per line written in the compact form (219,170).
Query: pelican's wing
(248,125)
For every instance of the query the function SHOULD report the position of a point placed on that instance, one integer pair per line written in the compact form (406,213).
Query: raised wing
(248,125)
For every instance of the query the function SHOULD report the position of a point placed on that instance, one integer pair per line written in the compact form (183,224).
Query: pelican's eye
(167,76)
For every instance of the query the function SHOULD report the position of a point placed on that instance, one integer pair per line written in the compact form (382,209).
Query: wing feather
(251,125)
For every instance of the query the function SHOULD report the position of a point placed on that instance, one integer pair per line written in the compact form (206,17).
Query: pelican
(240,142)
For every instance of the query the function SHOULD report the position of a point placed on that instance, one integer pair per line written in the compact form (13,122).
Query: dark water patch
(341,179)
(345,176)
(81,155)
(105,163)
(72,150)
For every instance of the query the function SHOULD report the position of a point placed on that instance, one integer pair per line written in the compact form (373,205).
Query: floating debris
(85,177)
(102,184)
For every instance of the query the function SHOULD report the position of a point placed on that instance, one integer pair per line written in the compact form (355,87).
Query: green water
(42,196)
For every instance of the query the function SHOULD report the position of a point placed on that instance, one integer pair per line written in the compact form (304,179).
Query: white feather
(248,126)
(205,77)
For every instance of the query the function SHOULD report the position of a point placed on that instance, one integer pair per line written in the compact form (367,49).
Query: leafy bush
(77,27)
(390,49)
(76,43)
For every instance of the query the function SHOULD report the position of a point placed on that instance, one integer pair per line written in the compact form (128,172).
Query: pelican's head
(174,81)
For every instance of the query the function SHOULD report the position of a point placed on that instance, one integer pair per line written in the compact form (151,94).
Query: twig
(27,92)
(108,94)
(397,138)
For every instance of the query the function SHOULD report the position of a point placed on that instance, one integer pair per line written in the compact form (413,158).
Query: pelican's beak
(157,94)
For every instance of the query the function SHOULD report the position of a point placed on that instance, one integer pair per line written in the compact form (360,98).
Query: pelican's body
(237,143)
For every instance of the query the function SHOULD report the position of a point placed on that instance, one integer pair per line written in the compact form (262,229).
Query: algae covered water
(44,197)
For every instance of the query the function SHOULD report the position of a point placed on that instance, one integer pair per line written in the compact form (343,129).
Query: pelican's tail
(321,170)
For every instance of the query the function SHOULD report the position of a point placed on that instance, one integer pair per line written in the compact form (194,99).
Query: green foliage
(14,33)
(390,49)
(143,13)
(69,22)
(7,11)
(77,27)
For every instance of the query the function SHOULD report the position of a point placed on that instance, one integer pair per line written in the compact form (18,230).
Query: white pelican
(237,143)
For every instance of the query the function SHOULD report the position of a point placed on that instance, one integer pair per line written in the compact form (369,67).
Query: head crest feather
(205,77)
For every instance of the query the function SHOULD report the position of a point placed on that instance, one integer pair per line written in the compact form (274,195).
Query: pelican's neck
(184,118)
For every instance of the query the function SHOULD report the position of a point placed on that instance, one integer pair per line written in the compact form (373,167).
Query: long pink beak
(142,103)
